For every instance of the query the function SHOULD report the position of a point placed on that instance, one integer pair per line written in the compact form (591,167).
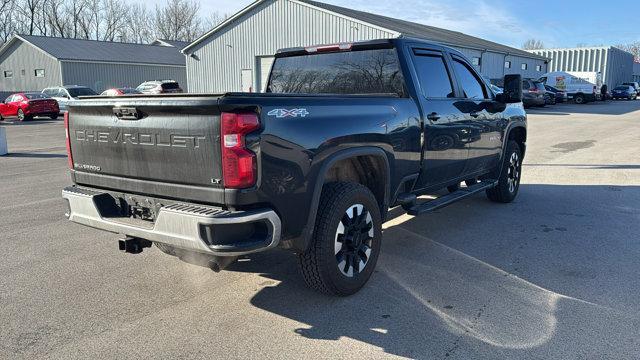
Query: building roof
(401,27)
(103,51)
(412,29)
(174,43)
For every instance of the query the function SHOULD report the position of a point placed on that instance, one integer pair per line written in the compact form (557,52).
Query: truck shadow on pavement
(481,278)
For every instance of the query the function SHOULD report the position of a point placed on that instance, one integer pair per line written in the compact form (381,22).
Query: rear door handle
(433,116)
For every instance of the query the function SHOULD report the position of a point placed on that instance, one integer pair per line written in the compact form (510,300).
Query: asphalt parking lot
(553,275)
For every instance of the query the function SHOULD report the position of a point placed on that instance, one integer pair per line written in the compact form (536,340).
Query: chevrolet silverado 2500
(342,133)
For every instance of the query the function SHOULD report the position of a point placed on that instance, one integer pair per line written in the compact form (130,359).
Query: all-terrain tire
(330,248)
(509,182)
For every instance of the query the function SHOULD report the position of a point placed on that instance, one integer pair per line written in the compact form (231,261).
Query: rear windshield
(539,85)
(32,96)
(374,71)
(170,85)
(75,92)
(622,88)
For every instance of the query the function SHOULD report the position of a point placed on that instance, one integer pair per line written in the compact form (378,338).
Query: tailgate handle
(127,113)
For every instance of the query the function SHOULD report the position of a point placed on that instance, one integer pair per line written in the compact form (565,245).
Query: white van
(577,88)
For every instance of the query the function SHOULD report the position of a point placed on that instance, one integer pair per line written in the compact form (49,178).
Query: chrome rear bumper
(193,227)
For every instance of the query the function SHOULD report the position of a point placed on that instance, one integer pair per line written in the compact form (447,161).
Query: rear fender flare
(326,165)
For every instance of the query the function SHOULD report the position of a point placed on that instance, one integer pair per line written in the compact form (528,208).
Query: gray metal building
(636,72)
(237,55)
(32,63)
(614,65)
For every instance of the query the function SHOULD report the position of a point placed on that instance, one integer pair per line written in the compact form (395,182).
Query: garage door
(264,67)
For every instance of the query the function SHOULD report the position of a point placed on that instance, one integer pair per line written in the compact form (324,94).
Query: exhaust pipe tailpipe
(219,263)
(133,245)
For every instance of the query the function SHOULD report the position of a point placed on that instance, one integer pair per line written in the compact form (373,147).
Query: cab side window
(471,85)
(433,74)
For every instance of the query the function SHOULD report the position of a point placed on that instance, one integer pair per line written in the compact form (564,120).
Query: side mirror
(512,92)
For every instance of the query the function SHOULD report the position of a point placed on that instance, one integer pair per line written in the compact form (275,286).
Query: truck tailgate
(165,139)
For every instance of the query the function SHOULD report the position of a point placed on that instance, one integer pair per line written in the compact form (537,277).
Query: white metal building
(614,65)
(32,63)
(237,55)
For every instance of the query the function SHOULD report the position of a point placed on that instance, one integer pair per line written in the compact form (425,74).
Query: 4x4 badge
(282,113)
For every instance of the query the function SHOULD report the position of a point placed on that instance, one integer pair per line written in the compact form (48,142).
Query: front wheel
(54,116)
(346,240)
(509,182)
(21,115)
(579,99)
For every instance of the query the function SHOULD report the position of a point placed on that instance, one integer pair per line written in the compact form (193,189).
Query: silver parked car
(64,94)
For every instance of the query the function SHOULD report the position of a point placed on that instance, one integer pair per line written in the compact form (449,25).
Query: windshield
(75,92)
(374,71)
(540,86)
(32,96)
(621,88)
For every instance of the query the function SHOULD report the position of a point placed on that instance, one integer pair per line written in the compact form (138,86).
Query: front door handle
(433,116)
(474,114)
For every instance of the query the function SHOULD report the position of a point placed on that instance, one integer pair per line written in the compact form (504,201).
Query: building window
(475,61)
(538,67)
(8,73)
(39,72)
(22,72)
(524,66)
(507,64)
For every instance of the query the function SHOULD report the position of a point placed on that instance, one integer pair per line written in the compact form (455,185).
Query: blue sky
(558,23)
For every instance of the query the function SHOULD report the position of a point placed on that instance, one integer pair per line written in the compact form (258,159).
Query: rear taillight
(238,163)
(68,139)
(533,89)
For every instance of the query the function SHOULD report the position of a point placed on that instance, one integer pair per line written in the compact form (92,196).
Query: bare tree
(28,9)
(533,44)
(178,20)
(74,9)
(57,18)
(214,19)
(633,48)
(139,19)
(115,17)
(112,20)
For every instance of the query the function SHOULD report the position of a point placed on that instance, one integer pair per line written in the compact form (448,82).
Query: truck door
(445,127)
(484,117)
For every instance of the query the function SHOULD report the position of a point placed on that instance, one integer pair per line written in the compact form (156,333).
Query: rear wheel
(54,116)
(453,188)
(509,182)
(346,240)
(579,99)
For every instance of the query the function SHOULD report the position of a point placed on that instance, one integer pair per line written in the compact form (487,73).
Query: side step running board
(442,201)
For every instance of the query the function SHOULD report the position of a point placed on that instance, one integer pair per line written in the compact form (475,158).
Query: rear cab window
(356,72)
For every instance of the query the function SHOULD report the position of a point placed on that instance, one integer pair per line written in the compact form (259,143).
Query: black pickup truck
(342,133)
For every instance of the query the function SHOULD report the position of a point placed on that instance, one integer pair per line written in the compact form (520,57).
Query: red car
(25,106)
(120,92)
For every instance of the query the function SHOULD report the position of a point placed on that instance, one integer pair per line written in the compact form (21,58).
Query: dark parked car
(120,92)
(160,87)
(635,86)
(533,93)
(624,92)
(561,96)
(343,133)
(26,106)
